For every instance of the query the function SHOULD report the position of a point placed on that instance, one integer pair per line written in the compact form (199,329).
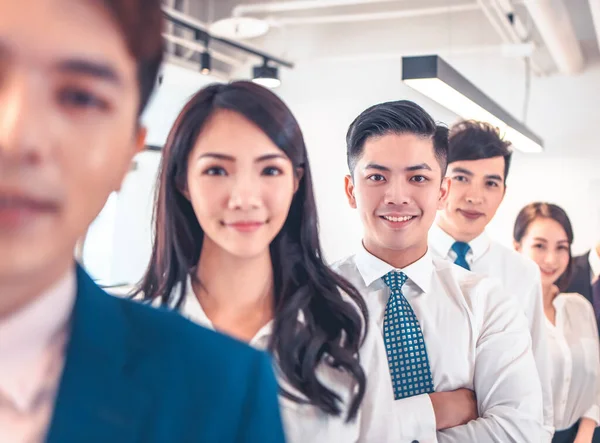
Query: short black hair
(141,24)
(397,117)
(475,140)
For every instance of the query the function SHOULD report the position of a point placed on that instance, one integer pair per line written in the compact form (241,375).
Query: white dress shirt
(575,361)
(476,338)
(32,344)
(304,423)
(594,261)
(520,277)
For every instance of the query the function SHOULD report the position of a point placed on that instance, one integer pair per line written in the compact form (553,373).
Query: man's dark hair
(474,140)
(397,117)
(141,23)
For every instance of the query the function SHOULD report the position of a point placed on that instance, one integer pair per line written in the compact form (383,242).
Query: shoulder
(345,265)
(577,302)
(166,336)
(514,261)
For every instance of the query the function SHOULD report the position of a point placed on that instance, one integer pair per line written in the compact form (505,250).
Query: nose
(397,193)
(25,130)
(245,193)
(474,195)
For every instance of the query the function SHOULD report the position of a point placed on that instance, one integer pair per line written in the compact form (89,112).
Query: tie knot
(395,280)
(461,249)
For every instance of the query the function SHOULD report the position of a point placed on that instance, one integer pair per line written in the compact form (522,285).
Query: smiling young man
(478,164)
(458,349)
(77,365)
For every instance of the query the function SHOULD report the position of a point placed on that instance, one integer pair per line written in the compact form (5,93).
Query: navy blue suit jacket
(135,374)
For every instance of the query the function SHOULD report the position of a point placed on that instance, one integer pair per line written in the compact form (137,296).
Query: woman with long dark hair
(543,232)
(236,249)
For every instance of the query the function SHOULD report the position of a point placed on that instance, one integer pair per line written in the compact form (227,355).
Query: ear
(140,139)
(349,187)
(444,192)
(298,178)
(517,246)
(139,144)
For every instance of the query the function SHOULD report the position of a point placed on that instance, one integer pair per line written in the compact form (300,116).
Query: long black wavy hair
(333,329)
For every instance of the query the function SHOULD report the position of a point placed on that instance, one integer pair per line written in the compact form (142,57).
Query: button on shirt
(32,344)
(575,361)
(476,338)
(518,276)
(303,423)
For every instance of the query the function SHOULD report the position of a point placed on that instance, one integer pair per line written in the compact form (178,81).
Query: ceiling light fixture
(433,77)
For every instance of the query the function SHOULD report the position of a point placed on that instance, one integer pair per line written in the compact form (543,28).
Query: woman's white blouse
(575,361)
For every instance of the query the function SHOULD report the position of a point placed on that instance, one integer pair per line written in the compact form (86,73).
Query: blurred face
(475,195)
(546,243)
(397,189)
(68,111)
(240,185)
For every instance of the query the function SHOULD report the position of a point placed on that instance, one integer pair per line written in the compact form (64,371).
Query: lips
(396,220)
(471,215)
(18,210)
(245,225)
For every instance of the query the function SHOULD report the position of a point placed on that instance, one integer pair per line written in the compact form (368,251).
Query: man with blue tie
(77,365)
(478,164)
(458,349)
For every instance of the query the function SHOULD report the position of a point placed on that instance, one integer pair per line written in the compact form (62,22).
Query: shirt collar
(594,262)
(372,269)
(27,334)
(442,242)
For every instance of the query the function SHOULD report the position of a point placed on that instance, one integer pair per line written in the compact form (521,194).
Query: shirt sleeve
(416,419)
(593,412)
(505,379)
(539,344)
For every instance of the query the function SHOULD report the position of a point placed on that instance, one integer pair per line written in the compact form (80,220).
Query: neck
(549,292)
(230,283)
(456,234)
(19,291)
(398,258)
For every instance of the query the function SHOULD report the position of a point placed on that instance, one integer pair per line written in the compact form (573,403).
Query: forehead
(399,151)
(481,167)
(547,228)
(231,133)
(40,33)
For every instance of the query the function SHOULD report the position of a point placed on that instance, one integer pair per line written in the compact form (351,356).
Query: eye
(538,246)
(78,98)
(376,178)
(272,171)
(460,178)
(216,170)
(492,184)
(419,179)
(564,248)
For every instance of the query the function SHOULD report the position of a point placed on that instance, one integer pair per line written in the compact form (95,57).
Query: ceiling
(379,28)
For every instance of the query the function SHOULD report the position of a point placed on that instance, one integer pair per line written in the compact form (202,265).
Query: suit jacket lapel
(98,399)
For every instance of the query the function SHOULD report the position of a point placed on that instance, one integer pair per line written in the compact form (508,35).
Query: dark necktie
(461,249)
(404,343)
(596,298)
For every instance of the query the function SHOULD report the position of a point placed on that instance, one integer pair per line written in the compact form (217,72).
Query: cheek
(278,197)
(91,171)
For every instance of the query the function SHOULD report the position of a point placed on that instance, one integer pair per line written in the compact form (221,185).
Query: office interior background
(538,60)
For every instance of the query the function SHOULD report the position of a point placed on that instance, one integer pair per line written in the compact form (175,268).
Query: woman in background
(236,249)
(543,232)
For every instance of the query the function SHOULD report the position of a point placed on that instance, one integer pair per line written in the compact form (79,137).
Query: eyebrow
(262,158)
(98,70)
(419,167)
(459,170)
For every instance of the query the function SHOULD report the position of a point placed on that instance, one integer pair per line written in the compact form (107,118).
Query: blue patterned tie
(461,249)
(404,343)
